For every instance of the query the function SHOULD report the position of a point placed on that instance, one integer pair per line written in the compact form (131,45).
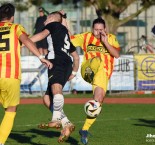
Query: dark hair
(99,20)
(41,9)
(63,16)
(7,10)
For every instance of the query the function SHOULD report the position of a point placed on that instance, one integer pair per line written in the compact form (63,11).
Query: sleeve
(113,41)
(20,30)
(52,27)
(72,48)
(77,40)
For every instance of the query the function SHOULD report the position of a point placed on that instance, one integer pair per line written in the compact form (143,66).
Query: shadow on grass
(26,137)
(145,122)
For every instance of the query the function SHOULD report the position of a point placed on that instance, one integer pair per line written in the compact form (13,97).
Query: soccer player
(11,36)
(99,48)
(60,48)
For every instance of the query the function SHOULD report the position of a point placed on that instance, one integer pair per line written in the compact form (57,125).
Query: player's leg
(57,81)
(48,102)
(58,101)
(48,98)
(59,116)
(9,98)
(98,96)
(100,80)
(67,126)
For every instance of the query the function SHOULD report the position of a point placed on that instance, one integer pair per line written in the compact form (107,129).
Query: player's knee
(56,89)
(11,109)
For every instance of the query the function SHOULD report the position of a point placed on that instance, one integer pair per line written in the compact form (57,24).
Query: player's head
(41,11)
(54,17)
(98,26)
(57,15)
(7,12)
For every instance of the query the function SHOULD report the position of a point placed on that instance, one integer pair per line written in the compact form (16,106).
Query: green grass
(125,124)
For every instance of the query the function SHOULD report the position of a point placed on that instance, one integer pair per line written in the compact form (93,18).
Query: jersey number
(4,43)
(66,45)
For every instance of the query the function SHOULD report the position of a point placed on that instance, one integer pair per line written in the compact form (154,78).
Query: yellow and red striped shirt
(10,50)
(92,47)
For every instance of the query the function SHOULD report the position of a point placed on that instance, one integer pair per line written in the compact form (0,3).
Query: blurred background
(131,21)
(128,20)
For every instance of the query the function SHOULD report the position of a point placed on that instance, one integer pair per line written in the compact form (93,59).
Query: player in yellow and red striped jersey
(100,49)
(10,69)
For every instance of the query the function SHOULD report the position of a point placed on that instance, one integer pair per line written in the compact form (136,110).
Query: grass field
(118,124)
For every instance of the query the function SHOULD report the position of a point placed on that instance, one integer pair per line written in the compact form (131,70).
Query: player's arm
(75,64)
(75,61)
(64,21)
(31,46)
(40,36)
(113,51)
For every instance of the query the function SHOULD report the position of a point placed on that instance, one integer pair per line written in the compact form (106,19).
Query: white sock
(63,114)
(58,103)
(65,121)
(56,116)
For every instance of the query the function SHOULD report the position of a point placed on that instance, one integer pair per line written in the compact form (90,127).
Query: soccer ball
(92,108)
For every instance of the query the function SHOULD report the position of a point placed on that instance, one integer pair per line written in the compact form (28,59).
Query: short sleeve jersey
(59,42)
(10,50)
(92,47)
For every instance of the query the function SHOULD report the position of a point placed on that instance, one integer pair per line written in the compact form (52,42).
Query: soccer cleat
(66,132)
(52,124)
(43,126)
(55,124)
(84,136)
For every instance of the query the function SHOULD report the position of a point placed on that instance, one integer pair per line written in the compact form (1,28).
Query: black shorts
(58,74)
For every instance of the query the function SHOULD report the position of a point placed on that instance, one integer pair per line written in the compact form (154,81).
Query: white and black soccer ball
(92,108)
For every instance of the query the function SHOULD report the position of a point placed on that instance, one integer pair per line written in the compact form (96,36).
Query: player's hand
(62,12)
(103,37)
(47,63)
